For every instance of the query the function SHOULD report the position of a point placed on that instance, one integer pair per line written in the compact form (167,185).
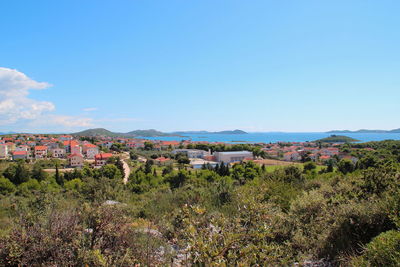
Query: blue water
(274,137)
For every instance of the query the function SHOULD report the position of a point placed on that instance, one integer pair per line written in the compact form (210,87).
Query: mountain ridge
(366,131)
(237,131)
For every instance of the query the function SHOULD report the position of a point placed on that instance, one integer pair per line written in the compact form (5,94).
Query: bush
(383,250)
(6,187)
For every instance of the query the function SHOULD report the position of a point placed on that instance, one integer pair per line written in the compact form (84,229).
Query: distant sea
(274,137)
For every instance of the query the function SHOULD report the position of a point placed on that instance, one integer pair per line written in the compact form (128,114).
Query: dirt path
(127,169)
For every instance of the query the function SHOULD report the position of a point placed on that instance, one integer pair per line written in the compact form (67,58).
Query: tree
(182,158)
(345,166)
(38,173)
(148,166)
(133,155)
(177,180)
(6,186)
(111,171)
(309,166)
(148,146)
(18,173)
(59,178)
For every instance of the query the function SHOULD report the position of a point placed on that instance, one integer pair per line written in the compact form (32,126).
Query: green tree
(345,166)
(6,186)
(38,173)
(309,166)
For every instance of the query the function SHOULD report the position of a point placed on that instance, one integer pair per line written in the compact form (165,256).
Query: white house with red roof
(76,149)
(90,150)
(75,160)
(40,152)
(291,156)
(69,144)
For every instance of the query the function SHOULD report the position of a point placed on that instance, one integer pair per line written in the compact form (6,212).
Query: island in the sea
(207,132)
(146,133)
(337,139)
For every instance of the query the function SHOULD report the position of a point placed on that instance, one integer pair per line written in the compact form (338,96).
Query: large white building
(233,156)
(192,153)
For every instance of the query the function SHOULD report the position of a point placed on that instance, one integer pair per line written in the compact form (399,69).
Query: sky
(295,66)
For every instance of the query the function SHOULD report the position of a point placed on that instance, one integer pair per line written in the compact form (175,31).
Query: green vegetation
(337,139)
(346,213)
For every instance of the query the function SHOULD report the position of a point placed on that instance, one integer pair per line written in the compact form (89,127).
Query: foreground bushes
(243,215)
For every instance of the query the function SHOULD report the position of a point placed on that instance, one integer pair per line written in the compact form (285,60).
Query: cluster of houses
(29,146)
(296,151)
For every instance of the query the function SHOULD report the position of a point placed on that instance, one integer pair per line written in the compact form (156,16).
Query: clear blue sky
(200,65)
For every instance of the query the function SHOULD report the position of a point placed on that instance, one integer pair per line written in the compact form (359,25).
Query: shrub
(383,250)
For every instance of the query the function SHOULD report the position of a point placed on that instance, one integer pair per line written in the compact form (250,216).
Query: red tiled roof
(103,156)
(19,153)
(70,143)
(90,145)
(40,147)
(172,143)
(162,159)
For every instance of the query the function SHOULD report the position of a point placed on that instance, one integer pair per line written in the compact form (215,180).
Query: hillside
(97,132)
(337,139)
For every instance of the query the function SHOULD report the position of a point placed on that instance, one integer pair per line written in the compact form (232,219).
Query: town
(75,151)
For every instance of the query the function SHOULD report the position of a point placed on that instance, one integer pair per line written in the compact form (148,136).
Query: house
(101,159)
(11,146)
(57,152)
(75,160)
(324,158)
(233,156)
(168,144)
(65,137)
(161,160)
(291,156)
(90,150)
(135,144)
(76,149)
(22,148)
(68,144)
(3,151)
(19,155)
(40,152)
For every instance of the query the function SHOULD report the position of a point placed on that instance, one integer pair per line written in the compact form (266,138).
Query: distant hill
(337,139)
(366,131)
(105,132)
(97,132)
(148,133)
(207,132)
